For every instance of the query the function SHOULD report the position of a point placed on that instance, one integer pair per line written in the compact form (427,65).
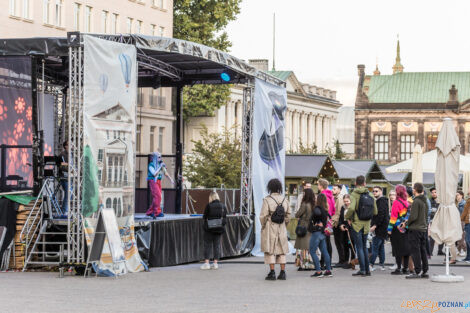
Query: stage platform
(178,238)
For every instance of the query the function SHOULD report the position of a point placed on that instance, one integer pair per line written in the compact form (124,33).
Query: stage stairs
(43,236)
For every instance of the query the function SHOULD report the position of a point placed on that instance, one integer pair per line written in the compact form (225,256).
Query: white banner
(110,94)
(268,160)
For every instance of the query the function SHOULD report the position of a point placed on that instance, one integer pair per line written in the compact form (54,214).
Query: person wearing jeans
(360,228)
(379,226)
(318,221)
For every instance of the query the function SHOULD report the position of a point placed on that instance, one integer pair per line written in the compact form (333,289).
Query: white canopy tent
(428,162)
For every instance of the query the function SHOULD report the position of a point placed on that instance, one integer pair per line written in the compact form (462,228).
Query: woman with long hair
(303,214)
(392,196)
(274,242)
(317,226)
(398,236)
(347,243)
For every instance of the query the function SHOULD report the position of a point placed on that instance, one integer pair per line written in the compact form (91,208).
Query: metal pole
(179,150)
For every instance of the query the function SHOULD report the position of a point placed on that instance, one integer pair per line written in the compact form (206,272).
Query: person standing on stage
(274,216)
(63,163)
(156,170)
(216,212)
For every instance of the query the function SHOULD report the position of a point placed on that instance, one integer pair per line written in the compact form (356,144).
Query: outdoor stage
(178,238)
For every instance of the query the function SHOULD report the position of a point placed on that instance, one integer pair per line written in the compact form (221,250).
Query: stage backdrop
(110,92)
(16,118)
(268,145)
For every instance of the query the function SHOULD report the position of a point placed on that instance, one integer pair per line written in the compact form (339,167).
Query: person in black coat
(216,213)
(379,227)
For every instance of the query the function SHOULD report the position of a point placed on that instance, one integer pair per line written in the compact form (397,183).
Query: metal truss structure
(75,229)
(246,184)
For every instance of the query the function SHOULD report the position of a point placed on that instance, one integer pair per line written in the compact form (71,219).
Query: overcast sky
(324,41)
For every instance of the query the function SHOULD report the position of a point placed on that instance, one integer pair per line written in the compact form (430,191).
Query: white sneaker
(371,268)
(215,266)
(382,268)
(468,261)
(205,266)
(394,267)
(462,253)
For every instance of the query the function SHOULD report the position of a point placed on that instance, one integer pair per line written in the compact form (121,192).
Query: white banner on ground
(110,94)
(268,159)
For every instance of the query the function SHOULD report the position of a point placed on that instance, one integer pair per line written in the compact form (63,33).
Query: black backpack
(279,214)
(365,209)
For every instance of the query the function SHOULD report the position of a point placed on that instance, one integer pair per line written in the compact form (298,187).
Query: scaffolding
(246,184)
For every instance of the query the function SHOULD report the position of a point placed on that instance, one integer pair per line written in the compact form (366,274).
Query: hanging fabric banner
(110,94)
(268,160)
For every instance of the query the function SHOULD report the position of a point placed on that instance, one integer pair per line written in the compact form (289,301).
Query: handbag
(329,228)
(301,231)
(214,223)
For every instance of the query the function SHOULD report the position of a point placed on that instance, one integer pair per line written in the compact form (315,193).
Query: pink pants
(156,189)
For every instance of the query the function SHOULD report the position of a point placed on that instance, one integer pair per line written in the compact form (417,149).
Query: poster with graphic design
(16,116)
(268,160)
(110,94)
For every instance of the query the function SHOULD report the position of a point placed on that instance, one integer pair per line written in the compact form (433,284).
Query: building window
(137,143)
(109,173)
(160,138)
(153,28)
(100,175)
(108,203)
(100,155)
(129,25)
(140,97)
(431,141)
(161,31)
(139,27)
(381,147)
(115,205)
(104,21)
(114,23)
(88,23)
(158,3)
(76,15)
(152,138)
(116,169)
(46,11)
(407,144)
(58,12)
(26,9)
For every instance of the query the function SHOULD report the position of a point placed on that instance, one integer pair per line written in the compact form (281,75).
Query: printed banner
(268,160)
(16,115)
(110,94)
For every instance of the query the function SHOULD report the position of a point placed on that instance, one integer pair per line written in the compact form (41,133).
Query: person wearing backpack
(214,218)
(274,217)
(317,225)
(398,235)
(360,213)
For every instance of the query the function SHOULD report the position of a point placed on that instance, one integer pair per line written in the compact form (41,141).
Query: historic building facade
(43,18)
(395,112)
(310,118)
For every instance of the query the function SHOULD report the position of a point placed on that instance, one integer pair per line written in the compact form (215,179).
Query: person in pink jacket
(322,185)
(323,188)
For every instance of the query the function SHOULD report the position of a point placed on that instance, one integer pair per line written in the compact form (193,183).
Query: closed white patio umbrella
(446,226)
(417,171)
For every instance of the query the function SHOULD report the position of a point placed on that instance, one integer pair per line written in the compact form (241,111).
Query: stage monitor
(16,114)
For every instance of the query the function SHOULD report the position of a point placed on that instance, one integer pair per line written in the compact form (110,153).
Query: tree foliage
(216,160)
(204,21)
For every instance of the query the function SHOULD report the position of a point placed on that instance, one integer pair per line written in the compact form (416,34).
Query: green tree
(204,21)
(216,160)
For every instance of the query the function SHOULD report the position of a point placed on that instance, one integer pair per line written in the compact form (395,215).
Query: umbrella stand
(448,277)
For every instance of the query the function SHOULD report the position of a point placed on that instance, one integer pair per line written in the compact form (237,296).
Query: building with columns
(395,112)
(310,118)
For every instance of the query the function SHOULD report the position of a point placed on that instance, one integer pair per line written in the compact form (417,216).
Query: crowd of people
(361,223)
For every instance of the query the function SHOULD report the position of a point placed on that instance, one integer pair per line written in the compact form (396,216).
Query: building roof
(282,75)
(418,87)
(350,169)
(301,165)
(394,178)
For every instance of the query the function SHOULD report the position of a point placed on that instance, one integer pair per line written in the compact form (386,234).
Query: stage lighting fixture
(225,77)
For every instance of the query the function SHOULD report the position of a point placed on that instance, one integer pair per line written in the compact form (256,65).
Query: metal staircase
(41,226)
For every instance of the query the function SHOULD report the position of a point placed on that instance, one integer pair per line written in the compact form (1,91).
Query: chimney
(453,96)
(259,64)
